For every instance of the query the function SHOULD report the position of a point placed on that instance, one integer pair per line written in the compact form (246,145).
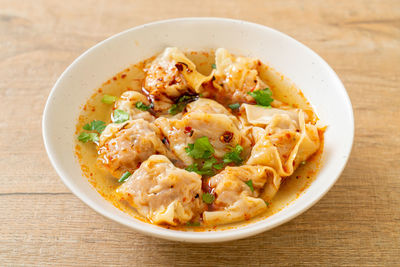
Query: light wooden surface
(356,223)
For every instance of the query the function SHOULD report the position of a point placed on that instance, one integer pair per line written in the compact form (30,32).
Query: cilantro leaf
(140,105)
(234,155)
(234,106)
(181,103)
(219,166)
(208,198)
(120,116)
(124,177)
(86,137)
(193,168)
(95,125)
(209,172)
(250,184)
(208,164)
(262,97)
(203,171)
(207,168)
(213,66)
(201,149)
(108,99)
(175,109)
(189,148)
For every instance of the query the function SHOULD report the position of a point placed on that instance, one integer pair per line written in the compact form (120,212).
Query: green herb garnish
(120,116)
(266,203)
(193,168)
(108,99)
(250,184)
(124,177)
(86,137)
(262,97)
(140,105)
(175,109)
(208,198)
(213,66)
(201,149)
(95,125)
(208,164)
(206,169)
(234,106)
(181,104)
(218,166)
(234,155)
(193,224)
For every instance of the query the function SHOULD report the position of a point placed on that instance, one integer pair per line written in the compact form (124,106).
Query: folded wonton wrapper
(167,70)
(257,115)
(170,76)
(205,117)
(127,102)
(235,200)
(285,141)
(162,192)
(236,76)
(124,146)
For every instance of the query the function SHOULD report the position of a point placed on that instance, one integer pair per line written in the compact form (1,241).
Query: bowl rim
(188,236)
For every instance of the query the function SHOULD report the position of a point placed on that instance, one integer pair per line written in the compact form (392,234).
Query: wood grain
(356,223)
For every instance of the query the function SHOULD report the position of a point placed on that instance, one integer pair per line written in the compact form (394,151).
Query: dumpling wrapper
(205,105)
(282,145)
(262,115)
(124,146)
(173,74)
(127,102)
(163,193)
(200,124)
(193,78)
(236,76)
(235,201)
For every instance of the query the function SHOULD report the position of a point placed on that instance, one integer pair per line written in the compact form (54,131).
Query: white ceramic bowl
(306,69)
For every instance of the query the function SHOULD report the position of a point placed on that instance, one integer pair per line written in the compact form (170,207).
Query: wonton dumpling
(234,199)
(286,140)
(209,106)
(205,105)
(309,144)
(163,193)
(124,146)
(236,76)
(276,151)
(171,75)
(193,125)
(178,138)
(257,115)
(127,103)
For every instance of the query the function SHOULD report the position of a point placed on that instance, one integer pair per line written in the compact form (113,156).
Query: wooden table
(356,223)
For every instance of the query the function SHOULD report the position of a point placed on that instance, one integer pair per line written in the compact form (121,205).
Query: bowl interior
(306,69)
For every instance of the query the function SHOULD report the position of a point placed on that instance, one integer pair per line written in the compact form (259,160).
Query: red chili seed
(226,137)
(179,66)
(188,129)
